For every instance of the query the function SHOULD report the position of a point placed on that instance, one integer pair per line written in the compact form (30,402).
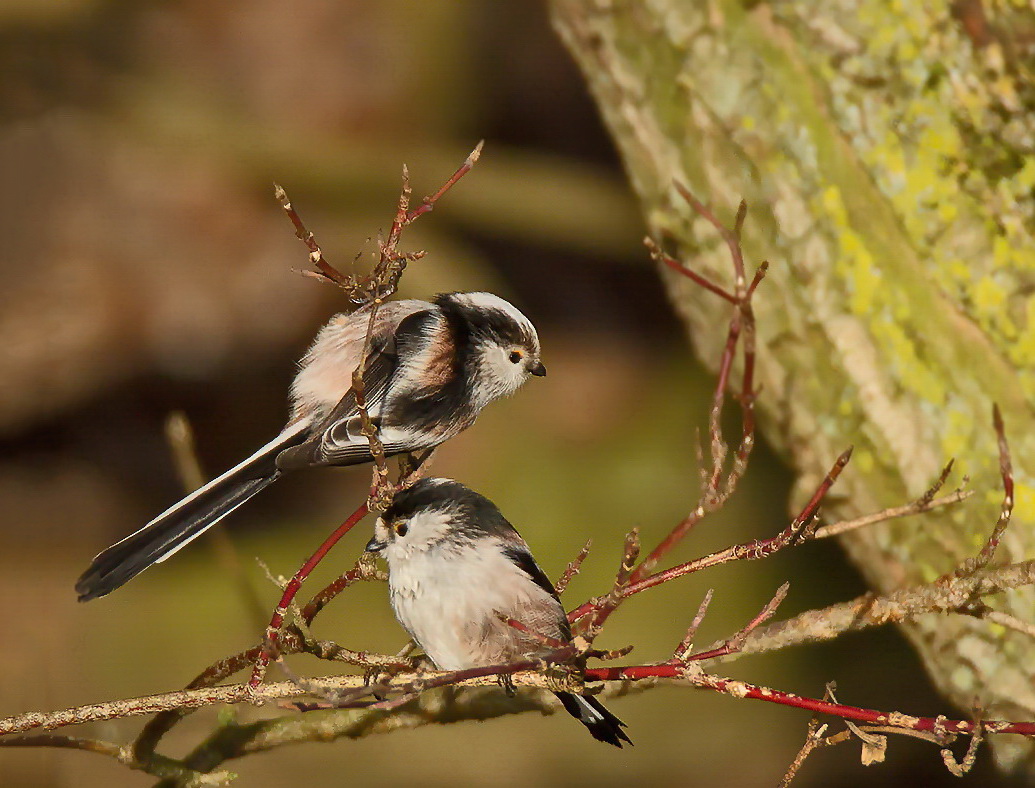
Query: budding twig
(687,642)
(981,560)
(572,569)
(736,643)
(916,507)
(325,271)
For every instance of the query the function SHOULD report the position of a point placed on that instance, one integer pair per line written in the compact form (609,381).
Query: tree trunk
(886,154)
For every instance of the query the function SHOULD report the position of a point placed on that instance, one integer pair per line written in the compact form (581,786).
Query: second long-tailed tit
(430,369)
(455,568)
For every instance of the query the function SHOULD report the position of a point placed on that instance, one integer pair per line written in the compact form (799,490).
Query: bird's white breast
(446,595)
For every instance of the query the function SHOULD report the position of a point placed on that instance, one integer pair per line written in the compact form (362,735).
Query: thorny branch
(396,701)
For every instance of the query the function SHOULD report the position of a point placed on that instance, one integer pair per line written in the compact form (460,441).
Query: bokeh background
(146,268)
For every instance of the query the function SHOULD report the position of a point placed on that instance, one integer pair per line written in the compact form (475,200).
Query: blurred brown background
(146,268)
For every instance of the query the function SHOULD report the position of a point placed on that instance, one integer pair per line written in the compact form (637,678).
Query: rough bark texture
(886,152)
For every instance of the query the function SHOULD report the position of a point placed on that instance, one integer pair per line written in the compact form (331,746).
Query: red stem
(817,497)
(428,203)
(277,620)
(731,237)
(524,628)
(745,551)
(742,689)
(679,268)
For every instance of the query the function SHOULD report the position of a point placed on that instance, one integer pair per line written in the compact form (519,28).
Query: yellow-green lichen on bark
(886,151)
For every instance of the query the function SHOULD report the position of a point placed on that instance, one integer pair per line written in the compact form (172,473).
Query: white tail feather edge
(289,432)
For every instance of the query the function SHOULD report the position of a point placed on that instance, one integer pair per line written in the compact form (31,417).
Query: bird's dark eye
(401,529)
(515,356)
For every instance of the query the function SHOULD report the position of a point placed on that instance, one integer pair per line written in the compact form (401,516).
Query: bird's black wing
(527,564)
(337,439)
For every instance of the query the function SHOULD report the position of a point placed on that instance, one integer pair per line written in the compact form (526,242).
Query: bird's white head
(435,513)
(500,341)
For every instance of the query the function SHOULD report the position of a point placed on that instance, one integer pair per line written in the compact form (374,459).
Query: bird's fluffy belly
(453,615)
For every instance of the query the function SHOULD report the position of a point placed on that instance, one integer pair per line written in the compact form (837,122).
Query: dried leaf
(874,749)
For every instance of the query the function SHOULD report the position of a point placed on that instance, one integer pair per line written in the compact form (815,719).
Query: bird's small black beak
(375,545)
(538,369)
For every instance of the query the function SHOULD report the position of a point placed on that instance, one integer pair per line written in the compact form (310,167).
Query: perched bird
(455,566)
(430,369)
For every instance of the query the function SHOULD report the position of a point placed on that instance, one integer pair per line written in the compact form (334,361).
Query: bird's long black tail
(604,725)
(184,521)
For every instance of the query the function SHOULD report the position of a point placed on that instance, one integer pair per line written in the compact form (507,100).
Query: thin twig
(870,610)
(814,739)
(687,642)
(736,643)
(741,330)
(795,534)
(680,268)
(545,640)
(983,611)
(916,507)
(960,768)
(572,569)
(270,641)
(325,270)
(1006,472)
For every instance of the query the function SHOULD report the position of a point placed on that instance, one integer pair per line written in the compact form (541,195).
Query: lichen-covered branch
(872,610)
(886,151)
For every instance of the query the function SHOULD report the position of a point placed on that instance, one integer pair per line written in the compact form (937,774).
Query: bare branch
(687,642)
(960,768)
(270,641)
(814,739)
(870,610)
(736,643)
(741,689)
(545,640)
(428,203)
(916,507)
(1006,471)
(798,532)
(983,611)
(525,674)
(678,267)
(324,270)
(572,569)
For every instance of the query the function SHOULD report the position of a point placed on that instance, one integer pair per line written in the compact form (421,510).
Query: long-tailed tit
(455,568)
(430,369)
